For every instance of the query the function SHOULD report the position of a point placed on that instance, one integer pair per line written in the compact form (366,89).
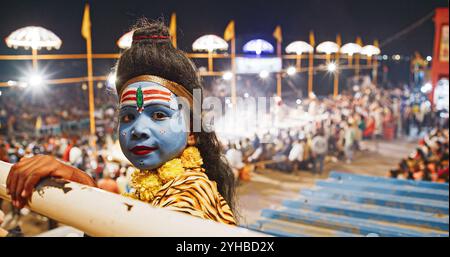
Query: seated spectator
(234,158)
(319,148)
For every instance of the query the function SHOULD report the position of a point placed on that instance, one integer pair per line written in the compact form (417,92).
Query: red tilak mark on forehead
(147,92)
(132,98)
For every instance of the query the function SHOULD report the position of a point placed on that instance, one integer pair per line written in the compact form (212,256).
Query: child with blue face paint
(152,130)
(175,168)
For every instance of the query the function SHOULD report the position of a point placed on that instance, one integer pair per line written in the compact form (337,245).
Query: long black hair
(154,54)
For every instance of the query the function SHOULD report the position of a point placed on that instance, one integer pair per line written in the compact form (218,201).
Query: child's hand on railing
(27,173)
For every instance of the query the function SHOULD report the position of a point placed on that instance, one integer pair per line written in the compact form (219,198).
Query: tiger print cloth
(193,193)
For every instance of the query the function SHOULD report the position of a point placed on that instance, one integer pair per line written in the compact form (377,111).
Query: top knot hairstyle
(152,53)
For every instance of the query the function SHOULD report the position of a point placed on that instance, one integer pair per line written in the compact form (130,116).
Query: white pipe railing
(101,213)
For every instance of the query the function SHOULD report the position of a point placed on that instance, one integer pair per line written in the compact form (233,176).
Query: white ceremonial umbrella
(298,48)
(33,37)
(125,40)
(209,43)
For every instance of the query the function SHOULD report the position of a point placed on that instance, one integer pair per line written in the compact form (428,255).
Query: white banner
(258,64)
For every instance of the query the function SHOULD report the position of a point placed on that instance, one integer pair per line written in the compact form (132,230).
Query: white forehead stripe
(152,94)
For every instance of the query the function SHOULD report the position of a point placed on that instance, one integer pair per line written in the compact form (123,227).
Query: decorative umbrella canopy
(125,40)
(370,50)
(258,46)
(351,49)
(33,37)
(209,43)
(299,47)
(327,47)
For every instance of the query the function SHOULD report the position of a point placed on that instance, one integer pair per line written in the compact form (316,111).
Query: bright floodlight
(327,47)
(258,46)
(209,43)
(35,80)
(351,49)
(370,50)
(396,57)
(33,37)
(331,67)
(227,75)
(429,58)
(298,101)
(246,95)
(299,47)
(291,71)
(125,40)
(264,74)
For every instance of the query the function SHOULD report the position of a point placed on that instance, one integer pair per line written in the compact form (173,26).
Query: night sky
(371,20)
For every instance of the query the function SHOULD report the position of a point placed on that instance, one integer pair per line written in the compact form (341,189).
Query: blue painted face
(153,130)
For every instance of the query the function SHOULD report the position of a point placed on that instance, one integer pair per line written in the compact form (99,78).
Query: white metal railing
(101,213)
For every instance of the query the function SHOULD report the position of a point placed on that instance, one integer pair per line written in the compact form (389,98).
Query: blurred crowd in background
(345,123)
(58,124)
(429,161)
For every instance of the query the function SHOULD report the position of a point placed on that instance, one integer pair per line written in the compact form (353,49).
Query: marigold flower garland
(146,184)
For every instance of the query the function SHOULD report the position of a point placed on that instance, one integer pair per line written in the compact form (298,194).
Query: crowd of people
(54,111)
(339,128)
(58,125)
(429,161)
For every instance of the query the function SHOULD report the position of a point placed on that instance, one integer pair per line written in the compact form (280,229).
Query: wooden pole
(375,65)
(279,73)
(93,142)
(336,72)
(310,74)
(233,70)
(210,61)
(369,60)
(35,59)
(357,57)
(312,42)
(375,71)
(86,32)
(63,81)
(279,84)
(336,77)
(298,62)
